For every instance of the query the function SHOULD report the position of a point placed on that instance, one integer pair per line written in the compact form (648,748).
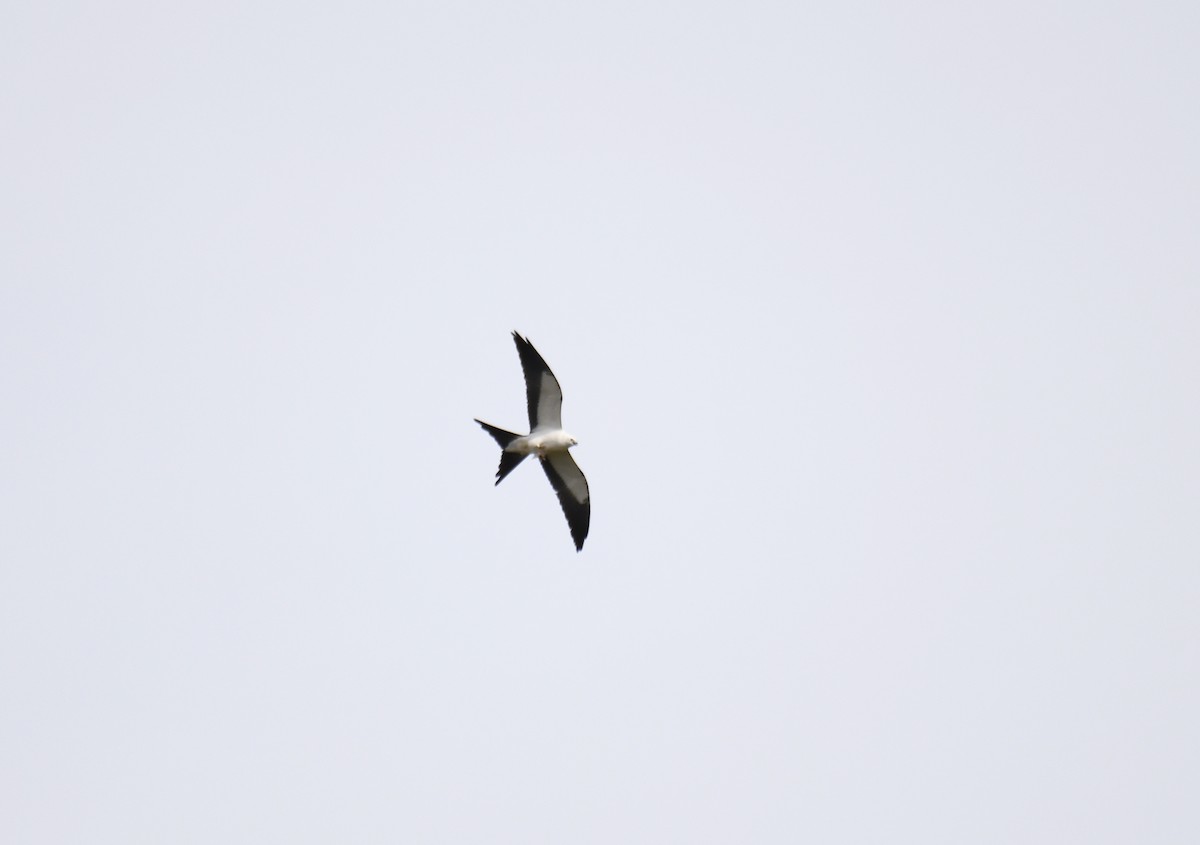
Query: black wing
(542,392)
(572,488)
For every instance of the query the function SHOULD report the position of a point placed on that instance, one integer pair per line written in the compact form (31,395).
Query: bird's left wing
(572,488)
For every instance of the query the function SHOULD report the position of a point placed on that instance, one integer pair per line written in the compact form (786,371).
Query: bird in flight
(547,440)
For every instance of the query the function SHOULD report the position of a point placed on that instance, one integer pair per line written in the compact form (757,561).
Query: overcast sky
(879,327)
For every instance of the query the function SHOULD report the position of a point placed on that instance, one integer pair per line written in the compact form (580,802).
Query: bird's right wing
(542,392)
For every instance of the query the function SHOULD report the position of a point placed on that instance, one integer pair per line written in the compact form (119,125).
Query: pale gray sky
(877,325)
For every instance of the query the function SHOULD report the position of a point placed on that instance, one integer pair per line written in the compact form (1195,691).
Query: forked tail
(502,437)
(508,460)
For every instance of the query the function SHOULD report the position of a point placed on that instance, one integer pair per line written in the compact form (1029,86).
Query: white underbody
(541,442)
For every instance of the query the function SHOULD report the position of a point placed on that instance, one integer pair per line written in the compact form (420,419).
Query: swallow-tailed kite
(547,440)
